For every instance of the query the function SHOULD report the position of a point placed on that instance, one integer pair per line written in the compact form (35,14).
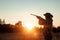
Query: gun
(41,20)
(33,14)
(36,16)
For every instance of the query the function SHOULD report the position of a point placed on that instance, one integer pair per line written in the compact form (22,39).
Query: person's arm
(41,21)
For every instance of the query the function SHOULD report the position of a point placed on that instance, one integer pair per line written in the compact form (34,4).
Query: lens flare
(29,26)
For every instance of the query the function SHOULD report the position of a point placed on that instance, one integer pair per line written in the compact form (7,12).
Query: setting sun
(29,26)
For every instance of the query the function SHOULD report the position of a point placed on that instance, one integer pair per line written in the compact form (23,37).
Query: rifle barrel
(33,14)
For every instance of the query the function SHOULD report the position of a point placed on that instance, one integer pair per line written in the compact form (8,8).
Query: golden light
(29,26)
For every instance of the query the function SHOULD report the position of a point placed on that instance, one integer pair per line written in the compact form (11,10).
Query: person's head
(48,15)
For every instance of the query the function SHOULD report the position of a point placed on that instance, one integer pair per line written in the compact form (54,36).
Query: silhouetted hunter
(47,23)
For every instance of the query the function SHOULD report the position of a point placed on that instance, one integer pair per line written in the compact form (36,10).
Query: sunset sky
(14,10)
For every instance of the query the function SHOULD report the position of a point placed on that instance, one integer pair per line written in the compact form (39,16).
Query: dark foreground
(18,36)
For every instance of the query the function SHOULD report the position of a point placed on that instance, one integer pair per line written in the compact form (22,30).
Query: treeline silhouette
(18,27)
(7,28)
(56,30)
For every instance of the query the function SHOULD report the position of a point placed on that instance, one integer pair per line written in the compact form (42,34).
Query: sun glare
(29,26)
